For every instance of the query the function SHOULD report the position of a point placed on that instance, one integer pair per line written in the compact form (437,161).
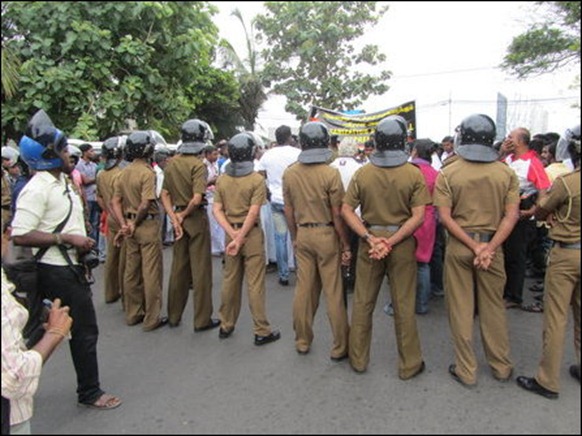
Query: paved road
(176,381)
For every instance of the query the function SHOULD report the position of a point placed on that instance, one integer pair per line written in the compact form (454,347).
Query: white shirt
(346,166)
(159,179)
(42,205)
(274,162)
(21,368)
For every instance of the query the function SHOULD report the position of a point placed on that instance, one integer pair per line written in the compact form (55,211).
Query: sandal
(536,307)
(104,402)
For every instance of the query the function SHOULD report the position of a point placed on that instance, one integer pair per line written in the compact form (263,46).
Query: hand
(379,247)
(483,256)
(346,257)
(178,231)
(233,247)
(81,243)
(180,217)
(59,319)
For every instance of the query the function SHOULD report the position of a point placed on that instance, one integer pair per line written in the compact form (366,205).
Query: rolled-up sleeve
(21,368)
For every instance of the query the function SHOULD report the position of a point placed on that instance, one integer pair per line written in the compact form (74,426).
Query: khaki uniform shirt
(564,199)
(312,191)
(135,183)
(106,183)
(184,176)
(387,195)
(238,194)
(477,193)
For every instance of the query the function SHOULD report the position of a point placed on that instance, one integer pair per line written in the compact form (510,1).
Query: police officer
(136,210)
(477,198)
(562,280)
(240,192)
(313,193)
(392,195)
(111,152)
(183,198)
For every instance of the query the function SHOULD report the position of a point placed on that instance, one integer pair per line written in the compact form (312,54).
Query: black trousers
(70,286)
(515,252)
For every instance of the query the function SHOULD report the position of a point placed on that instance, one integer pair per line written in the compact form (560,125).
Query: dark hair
(209,149)
(85,147)
(537,144)
(369,143)
(424,148)
(448,138)
(282,134)
(334,140)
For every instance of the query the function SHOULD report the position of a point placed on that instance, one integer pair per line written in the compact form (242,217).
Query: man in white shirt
(44,203)
(272,165)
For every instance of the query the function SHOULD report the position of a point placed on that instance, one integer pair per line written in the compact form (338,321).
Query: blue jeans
(281,230)
(94,214)
(423,287)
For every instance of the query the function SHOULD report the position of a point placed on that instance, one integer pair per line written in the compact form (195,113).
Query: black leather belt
(149,216)
(5,207)
(316,224)
(568,245)
(481,236)
(388,228)
(239,225)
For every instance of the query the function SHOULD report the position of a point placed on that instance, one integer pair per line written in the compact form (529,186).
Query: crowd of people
(456,218)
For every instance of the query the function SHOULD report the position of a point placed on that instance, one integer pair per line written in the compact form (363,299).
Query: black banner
(361,126)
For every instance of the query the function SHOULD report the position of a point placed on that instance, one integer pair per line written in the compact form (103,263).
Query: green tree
(94,65)
(311,57)
(547,46)
(248,73)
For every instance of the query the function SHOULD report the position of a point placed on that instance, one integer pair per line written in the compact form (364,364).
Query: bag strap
(40,253)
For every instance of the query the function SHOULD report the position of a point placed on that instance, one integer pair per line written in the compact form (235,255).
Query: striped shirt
(21,368)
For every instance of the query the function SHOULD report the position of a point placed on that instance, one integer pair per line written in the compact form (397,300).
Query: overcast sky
(444,55)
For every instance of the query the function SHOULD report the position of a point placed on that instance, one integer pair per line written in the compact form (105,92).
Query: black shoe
(223,334)
(420,370)
(531,384)
(575,372)
(213,324)
(284,282)
(275,335)
(453,374)
(340,358)
(162,322)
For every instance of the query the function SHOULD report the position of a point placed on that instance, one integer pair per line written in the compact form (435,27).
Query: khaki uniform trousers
(461,279)
(142,279)
(113,272)
(319,266)
(250,263)
(562,289)
(400,267)
(192,267)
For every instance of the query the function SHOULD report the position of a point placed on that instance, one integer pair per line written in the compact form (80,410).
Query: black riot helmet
(241,147)
(314,140)
(195,134)
(391,133)
(112,150)
(476,129)
(475,137)
(140,144)
(569,144)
